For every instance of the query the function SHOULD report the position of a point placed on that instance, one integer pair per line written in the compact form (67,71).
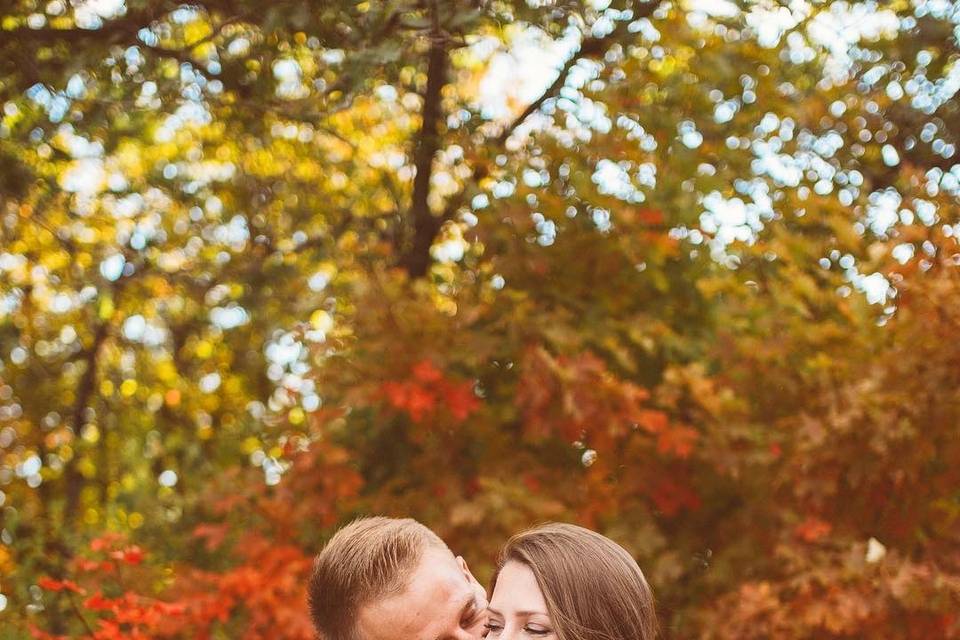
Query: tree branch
(85,390)
(113,30)
(416,256)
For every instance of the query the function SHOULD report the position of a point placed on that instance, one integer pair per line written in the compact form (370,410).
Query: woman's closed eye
(494,628)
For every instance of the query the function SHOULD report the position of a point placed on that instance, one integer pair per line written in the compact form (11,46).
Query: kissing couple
(394,579)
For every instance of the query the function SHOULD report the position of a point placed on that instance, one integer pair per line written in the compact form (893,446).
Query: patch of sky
(783,169)
(452,245)
(238,47)
(601,218)
(734,219)
(91,13)
(10,302)
(826,145)
(289,77)
(903,253)
(503,189)
(725,111)
(127,206)
(230,316)
(613,178)
(771,23)
(76,87)
(843,26)
(187,114)
(883,210)
(480,201)
(647,142)
(890,156)
(689,136)
(86,176)
(319,280)
(645,28)
(519,74)
(184,14)
(210,382)
(60,303)
(926,211)
(111,268)
(875,287)
(136,328)
(334,56)
(234,233)
(714,8)
(646,175)
(284,350)
(546,229)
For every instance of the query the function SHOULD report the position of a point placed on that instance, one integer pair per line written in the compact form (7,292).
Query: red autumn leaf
(460,400)
(51,584)
(212,534)
(652,420)
(396,394)
(672,497)
(130,555)
(86,564)
(97,602)
(812,529)
(426,371)
(677,440)
(420,402)
(106,541)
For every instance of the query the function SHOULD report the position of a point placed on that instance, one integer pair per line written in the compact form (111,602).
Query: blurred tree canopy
(681,271)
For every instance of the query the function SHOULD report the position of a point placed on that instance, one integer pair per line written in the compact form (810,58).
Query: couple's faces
(443,601)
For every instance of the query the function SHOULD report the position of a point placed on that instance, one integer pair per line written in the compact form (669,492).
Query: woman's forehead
(517,590)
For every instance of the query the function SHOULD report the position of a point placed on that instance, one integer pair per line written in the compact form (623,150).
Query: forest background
(685,272)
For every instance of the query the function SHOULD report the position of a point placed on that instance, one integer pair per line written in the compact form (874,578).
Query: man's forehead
(433,599)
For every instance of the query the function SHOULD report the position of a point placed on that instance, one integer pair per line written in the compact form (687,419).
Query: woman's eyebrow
(518,613)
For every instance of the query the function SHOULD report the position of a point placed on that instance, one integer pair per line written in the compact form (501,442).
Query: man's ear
(466,569)
(473,581)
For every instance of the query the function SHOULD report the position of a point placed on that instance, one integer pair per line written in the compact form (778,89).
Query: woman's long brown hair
(593,588)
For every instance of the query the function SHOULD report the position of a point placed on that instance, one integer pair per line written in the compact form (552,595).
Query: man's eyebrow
(471,602)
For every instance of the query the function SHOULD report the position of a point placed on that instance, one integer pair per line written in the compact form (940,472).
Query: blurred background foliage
(681,271)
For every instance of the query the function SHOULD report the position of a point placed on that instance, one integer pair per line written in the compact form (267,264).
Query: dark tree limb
(85,390)
(113,31)
(425,226)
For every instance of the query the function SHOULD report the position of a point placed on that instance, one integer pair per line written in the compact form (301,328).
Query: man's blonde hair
(368,559)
